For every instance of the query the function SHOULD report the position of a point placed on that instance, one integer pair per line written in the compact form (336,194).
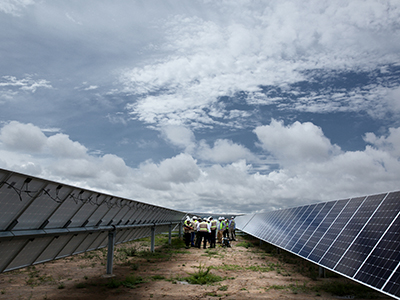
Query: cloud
(11,84)
(61,146)
(224,151)
(22,137)
(179,136)
(177,170)
(311,169)
(14,7)
(389,143)
(264,44)
(299,142)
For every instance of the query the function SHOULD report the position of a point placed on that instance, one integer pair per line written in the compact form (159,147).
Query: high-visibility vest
(203,226)
(187,225)
(222,225)
(232,224)
(213,225)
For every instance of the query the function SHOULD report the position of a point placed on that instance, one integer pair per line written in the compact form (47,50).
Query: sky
(230,106)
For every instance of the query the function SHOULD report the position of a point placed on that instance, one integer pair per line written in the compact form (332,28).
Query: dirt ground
(247,270)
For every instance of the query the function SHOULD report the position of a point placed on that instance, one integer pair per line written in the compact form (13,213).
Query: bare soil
(248,272)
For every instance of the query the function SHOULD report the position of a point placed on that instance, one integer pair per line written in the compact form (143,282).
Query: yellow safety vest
(222,225)
(203,226)
(213,225)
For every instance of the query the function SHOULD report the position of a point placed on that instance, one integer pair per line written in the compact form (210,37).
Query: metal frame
(58,220)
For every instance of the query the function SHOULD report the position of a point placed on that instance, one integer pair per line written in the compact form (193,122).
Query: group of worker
(198,230)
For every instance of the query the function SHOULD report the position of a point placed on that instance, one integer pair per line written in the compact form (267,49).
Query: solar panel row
(358,237)
(41,220)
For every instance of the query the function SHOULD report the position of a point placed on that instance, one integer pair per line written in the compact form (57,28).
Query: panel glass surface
(9,249)
(350,232)
(295,226)
(393,285)
(307,228)
(330,255)
(29,253)
(384,258)
(368,237)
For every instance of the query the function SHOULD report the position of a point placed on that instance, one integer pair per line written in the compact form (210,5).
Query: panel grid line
(344,227)
(361,230)
(387,229)
(329,226)
(316,215)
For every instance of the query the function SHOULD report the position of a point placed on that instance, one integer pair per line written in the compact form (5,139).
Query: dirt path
(247,272)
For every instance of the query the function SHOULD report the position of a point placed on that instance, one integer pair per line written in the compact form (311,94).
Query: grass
(202,276)
(245,244)
(130,281)
(346,288)
(212,253)
(35,279)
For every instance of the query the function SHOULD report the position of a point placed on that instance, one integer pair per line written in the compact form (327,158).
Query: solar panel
(358,238)
(42,220)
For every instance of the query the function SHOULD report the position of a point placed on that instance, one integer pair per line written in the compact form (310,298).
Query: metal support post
(180,230)
(110,252)
(153,238)
(170,234)
(321,272)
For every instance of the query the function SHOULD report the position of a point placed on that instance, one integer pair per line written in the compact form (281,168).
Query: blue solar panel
(334,242)
(304,232)
(308,240)
(358,238)
(292,226)
(393,285)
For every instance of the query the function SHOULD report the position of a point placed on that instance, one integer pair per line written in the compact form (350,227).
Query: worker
(232,227)
(213,227)
(221,228)
(188,227)
(203,230)
(226,228)
(194,231)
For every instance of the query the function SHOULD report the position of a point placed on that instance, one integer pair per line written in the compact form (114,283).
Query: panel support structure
(180,230)
(321,272)
(153,238)
(110,251)
(170,234)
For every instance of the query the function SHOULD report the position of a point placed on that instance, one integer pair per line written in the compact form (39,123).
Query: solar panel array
(358,237)
(42,220)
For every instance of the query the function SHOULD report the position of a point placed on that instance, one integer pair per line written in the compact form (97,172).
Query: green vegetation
(81,285)
(35,279)
(61,286)
(245,244)
(202,276)
(130,281)
(223,288)
(346,289)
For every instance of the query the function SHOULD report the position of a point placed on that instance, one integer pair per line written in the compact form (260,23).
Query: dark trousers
(226,233)
(202,236)
(212,238)
(187,236)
